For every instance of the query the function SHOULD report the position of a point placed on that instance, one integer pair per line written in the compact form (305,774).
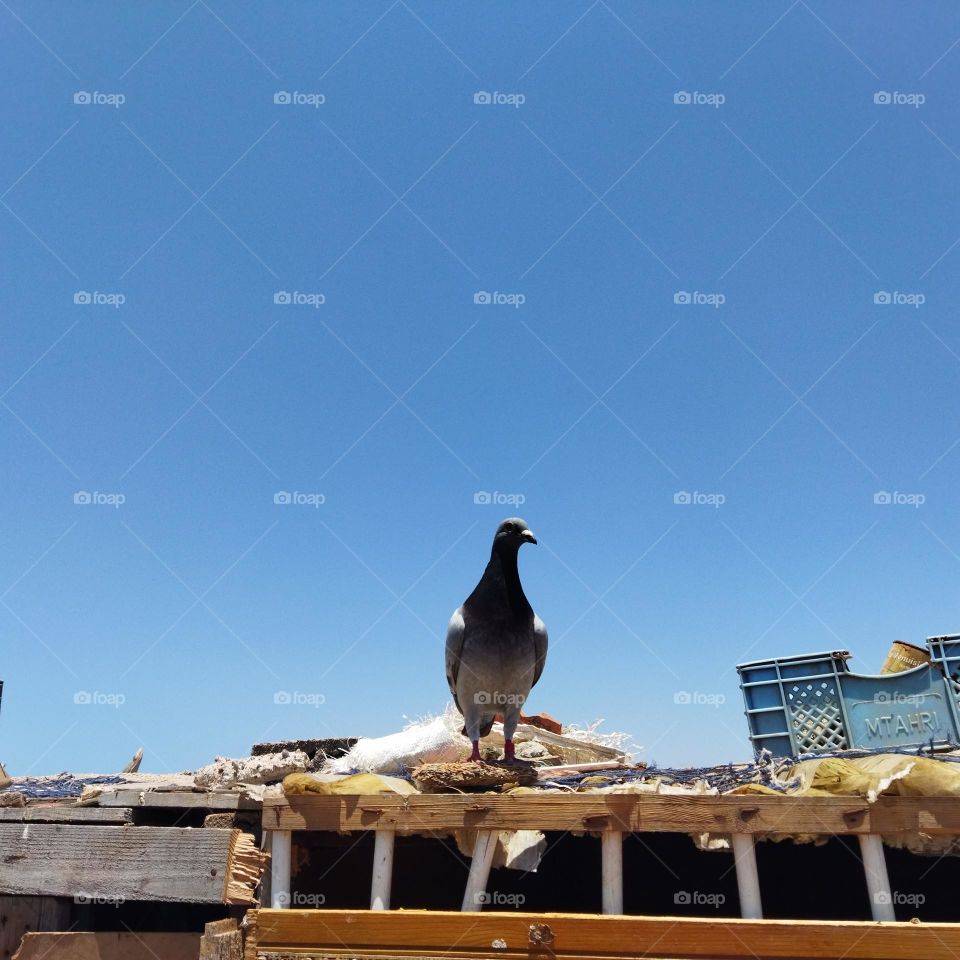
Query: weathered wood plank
(65,813)
(178,799)
(756,815)
(222,940)
(434,933)
(109,946)
(20,915)
(115,864)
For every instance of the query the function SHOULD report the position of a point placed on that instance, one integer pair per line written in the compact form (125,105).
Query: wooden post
(878,883)
(280,869)
(475,894)
(612,856)
(748,881)
(382,869)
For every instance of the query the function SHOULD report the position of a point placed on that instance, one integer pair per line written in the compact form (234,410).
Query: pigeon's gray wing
(455,631)
(539,647)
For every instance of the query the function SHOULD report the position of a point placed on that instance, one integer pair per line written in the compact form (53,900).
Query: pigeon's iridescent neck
(500,585)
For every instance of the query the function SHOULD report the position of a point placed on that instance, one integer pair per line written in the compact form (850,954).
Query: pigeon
(496,644)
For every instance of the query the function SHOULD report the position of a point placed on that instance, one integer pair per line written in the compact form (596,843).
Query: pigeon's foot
(508,752)
(475,756)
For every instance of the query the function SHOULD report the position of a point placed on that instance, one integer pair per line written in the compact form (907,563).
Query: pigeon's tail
(484,730)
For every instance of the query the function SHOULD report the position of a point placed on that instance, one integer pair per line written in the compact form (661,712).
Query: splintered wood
(245,862)
(455,777)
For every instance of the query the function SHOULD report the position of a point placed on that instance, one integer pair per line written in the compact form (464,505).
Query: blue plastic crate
(813,702)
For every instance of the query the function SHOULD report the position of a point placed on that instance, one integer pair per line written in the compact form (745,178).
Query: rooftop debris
(265,768)
(317,750)
(450,777)
(59,786)
(438,739)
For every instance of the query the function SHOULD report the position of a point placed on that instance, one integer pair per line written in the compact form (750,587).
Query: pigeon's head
(512,533)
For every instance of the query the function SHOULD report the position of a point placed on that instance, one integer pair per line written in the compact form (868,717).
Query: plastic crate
(945,653)
(813,702)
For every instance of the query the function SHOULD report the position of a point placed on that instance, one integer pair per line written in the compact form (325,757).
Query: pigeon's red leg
(475,756)
(508,755)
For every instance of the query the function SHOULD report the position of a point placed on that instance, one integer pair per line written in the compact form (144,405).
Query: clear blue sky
(589,201)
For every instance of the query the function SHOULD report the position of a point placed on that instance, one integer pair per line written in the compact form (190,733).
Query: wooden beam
(637,813)
(527,935)
(66,813)
(128,863)
(109,946)
(178,799)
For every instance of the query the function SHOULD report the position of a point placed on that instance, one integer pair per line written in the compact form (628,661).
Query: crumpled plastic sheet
(60,787)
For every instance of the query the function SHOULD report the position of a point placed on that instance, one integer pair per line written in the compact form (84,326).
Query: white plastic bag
(432,740)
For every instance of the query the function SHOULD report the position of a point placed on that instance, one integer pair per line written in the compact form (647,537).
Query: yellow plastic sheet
(359,784)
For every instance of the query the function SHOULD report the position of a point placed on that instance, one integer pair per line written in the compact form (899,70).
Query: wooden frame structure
(341,934)
(744,818)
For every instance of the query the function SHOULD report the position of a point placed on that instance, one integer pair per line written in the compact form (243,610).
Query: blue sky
(776,201)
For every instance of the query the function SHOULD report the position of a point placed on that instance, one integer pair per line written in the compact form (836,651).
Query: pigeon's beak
(528,537)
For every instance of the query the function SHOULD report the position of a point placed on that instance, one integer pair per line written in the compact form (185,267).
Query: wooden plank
(178,799)
(20,915)
(432,933)
(222,940)
(109,946)
(66,813)
(624,812)
(116,864)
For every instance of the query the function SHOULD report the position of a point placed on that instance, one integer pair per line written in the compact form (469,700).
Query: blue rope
(62,786)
